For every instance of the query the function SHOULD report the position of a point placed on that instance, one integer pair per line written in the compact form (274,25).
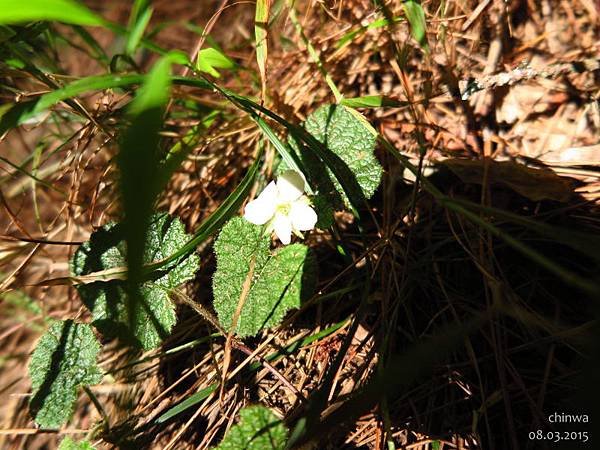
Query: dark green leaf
(107,300)
(348,136)
(63,360)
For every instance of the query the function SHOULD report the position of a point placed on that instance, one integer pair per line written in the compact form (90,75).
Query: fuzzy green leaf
(107,300)
(258,429)
(280,281)
(69,444)
(64,359)
(346,134)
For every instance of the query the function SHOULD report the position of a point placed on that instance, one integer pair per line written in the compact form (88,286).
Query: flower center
(284,208)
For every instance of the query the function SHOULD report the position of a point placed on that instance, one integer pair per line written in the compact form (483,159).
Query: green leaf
(69,444)
(63,360)
(108,300)
(279,283)
(17,11)
(416,17)
(258,429)
(347,134)
(210,59)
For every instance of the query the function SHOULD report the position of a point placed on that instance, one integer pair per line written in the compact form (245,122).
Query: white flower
(283,206)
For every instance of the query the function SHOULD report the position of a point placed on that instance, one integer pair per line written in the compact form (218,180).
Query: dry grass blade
(261,34)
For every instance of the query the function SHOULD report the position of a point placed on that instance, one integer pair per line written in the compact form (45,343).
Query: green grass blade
(138,163)
(24,111)
(6,33)
(21,112)
(140,20)
(18,11)
(416,18)
(299,343)
(590,286)
(33,177)
(372,101)
(98,52)
(253,109)
(349,37)
(192,400)
(313,53)
(332,161)
(282,149)
(586,243)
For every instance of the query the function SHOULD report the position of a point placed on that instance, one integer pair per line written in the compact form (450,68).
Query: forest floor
(498,106)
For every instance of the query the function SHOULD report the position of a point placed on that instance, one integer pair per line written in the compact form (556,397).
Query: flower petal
(290,185)
(303,216)
(282,225)
(260,210)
